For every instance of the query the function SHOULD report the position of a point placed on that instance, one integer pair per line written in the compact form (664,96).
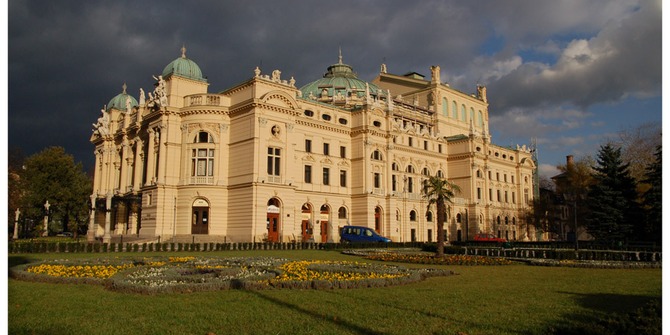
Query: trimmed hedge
(528,253)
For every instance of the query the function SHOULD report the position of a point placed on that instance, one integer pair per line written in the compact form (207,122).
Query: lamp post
(16,224)
(46,219)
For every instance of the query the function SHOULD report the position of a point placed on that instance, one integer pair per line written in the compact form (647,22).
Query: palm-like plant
(440,192)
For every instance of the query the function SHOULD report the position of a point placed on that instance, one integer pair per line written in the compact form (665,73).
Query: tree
(440,192)
(652,199)
(572,188)
(52,175)
(637,147)
(612,198)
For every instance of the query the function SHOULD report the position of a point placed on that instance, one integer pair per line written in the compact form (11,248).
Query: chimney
(570,160)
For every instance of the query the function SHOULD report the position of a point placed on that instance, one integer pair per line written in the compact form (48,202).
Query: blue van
(352,234)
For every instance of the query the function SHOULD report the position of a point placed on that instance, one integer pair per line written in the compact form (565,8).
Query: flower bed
(152,275)
(428,258)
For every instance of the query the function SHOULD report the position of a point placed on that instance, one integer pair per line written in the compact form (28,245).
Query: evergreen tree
(613,209)
(652,199)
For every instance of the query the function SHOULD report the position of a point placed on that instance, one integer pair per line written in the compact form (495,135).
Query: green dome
(183,67)
(339,79)
(119,101)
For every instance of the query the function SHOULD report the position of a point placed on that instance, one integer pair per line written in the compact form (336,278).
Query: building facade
(268,161)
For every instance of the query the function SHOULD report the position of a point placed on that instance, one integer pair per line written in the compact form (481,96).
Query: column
(150,158)
(90,235)
(107,237)
(139,165)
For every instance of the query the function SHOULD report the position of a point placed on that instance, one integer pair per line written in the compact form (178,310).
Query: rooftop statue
(102,126)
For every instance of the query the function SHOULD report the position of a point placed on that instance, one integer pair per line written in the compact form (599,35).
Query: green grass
(515,299)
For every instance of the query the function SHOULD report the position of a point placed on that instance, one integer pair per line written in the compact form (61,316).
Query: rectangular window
(326,176)
(274,160)
(506,196)
(326,149)
(479,193)
(308,174)
(411,141)
(439,148)
(513,198)
(526,197)
(498,192)
(308,145)
(393,182)
(343,152)
(202,162)
(425,145)
(343,178)
(410,185)
(490,194)
(377,180)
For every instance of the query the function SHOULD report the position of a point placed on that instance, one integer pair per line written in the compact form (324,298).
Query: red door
(273,227)
(306,231)
(200,220)
(324,231)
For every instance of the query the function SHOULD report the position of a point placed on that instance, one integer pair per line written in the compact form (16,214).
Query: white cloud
(548,170)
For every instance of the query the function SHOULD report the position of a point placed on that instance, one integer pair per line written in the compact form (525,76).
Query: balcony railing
(200,180)
(203,100)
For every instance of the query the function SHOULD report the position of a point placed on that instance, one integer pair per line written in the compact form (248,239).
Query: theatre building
(267,160)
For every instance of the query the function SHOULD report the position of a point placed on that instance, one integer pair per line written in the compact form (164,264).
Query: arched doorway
(273,220)
(324,222)
(378,220)
(307,227)
(200,217)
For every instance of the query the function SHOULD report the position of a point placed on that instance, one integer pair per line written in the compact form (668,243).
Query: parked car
(352,234)
(488,238)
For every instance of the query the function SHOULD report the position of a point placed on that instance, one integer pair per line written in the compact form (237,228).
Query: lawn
(513,299)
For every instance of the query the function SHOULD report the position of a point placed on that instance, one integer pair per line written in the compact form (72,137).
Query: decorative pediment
(343,163)
(327,161)
(308,158)
(280,98)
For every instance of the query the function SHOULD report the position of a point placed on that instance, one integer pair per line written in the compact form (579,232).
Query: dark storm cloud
(69,58)
(624,58)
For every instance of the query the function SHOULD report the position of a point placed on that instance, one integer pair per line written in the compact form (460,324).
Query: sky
(569,74)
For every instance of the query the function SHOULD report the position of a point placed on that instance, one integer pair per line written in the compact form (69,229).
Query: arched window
(458,218)
(454,110)
(463,113)
(429,216)
(439,174)
(394,167)
(425,172)
(342,213)
(480,121)
(203,137)
(445,112)
(472,115)
(506,220)
(412,215)
(377,155)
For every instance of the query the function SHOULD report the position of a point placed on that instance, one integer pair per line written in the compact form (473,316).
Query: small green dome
(119,101)
(341,79)
(183,67)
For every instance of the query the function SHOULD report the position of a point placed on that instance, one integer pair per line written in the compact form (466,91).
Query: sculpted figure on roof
(102,126)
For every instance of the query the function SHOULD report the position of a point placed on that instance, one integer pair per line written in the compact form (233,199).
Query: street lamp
(46,219)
